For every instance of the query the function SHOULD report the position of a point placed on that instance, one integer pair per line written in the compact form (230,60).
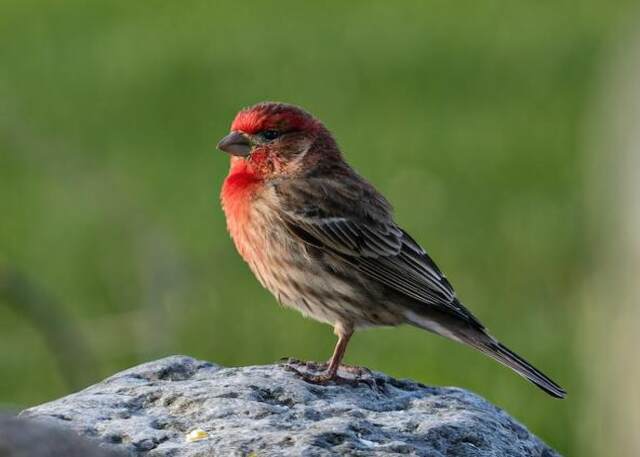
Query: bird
(324,242)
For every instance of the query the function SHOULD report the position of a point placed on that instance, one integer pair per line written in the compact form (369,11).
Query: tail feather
(475,335)
(507,357)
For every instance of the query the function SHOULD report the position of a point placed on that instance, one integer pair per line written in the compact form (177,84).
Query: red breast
(238,192)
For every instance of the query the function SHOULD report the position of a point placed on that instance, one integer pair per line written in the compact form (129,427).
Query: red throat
(239,187)
(238,191)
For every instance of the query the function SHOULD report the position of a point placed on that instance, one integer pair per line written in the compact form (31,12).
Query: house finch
(324,242)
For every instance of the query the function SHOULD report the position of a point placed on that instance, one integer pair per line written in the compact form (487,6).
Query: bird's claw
(290,360)
(356,370)
(309,364)
(321,366)
(320,379)
(362,375)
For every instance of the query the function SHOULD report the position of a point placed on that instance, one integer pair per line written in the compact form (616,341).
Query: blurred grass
(467,115)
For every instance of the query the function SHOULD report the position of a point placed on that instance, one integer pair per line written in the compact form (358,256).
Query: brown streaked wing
(384,252)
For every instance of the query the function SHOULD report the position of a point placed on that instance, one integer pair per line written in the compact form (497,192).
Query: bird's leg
(344,335)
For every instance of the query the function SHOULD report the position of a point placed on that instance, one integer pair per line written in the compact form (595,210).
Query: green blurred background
(467,115)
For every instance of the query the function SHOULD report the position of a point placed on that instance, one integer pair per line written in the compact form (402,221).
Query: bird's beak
(235,144)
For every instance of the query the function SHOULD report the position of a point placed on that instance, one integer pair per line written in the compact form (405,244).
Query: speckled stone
(267,410)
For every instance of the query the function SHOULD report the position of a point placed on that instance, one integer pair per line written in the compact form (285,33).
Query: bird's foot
(321,379)
(322,366)
(316,373)
(308,364)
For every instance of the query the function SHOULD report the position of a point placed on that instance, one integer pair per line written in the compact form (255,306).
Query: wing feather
(384,252)
(331,217)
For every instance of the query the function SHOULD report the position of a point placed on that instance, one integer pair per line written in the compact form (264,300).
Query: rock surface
(256,411)
(27,438)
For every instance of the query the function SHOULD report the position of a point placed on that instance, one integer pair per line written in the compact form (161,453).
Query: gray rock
(148,410)
(27,438)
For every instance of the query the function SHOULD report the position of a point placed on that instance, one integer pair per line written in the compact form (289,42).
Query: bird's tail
(507,357)
(471,332)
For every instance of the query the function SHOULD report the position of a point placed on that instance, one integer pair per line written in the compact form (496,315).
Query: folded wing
(384,252)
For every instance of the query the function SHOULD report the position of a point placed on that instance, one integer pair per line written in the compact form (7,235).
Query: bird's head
(277,140)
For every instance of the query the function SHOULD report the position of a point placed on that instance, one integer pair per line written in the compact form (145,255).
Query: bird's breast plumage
(240,190)
(312,281)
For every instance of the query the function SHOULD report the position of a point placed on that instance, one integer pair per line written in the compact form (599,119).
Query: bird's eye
(270,134)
